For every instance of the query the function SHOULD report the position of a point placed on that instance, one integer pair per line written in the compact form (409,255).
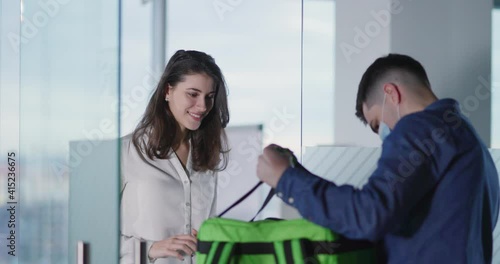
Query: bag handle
(266,201)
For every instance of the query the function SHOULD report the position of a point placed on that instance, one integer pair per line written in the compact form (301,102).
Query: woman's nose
(201,104)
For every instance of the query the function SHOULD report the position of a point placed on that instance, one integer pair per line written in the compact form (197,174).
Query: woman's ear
(167,92)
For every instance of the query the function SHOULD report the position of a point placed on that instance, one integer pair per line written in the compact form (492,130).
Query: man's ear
(393,92)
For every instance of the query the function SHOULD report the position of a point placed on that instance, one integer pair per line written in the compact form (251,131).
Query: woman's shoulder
(127,144)
(127,138)
(137,148)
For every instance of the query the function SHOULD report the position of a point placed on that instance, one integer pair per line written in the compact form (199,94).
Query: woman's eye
(211,96)
(193,94)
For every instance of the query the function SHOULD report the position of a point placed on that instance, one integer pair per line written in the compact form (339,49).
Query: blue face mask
(383,128)
(383,131)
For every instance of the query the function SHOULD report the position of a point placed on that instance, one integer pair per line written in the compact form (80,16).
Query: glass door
(66,149)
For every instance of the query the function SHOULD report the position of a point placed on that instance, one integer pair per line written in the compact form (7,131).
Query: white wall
(452,39)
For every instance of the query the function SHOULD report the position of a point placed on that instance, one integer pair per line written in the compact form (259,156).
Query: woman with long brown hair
(170,161)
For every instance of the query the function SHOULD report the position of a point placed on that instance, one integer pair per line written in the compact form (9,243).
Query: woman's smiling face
(191,100)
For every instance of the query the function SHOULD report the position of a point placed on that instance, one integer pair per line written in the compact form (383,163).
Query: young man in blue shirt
(434,196)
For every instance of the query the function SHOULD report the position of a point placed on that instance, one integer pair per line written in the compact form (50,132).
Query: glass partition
(318,72)
(69,122)
(138,78)
(9,132)
(495,79)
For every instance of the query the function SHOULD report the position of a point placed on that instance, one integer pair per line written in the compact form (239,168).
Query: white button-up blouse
(159,199)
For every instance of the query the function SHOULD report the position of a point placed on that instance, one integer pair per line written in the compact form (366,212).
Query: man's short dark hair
(379,69)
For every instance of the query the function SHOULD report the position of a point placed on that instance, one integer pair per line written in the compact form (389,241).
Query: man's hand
(272,164)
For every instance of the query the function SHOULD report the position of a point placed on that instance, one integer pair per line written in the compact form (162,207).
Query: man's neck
(421,104)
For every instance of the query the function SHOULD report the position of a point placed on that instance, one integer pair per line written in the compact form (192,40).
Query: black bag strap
(247,248)
(309,248)
(342,245)
(266,201)
(237,250)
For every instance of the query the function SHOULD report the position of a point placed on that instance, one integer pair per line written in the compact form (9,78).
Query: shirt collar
(444,103)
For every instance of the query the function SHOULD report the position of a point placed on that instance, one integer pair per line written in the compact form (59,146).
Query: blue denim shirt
(433,198)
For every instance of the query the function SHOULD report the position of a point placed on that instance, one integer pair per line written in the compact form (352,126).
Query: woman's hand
(177,246)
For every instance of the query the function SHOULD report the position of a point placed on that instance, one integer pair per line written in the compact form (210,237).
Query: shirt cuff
(292,183)
(149,244)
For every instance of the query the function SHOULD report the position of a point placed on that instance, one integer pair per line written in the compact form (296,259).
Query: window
(318,73)
(495,80)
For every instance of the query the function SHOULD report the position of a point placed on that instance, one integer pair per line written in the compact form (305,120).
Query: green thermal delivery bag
(223,240)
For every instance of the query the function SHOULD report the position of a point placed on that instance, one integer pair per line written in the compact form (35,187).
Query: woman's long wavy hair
(156,135)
